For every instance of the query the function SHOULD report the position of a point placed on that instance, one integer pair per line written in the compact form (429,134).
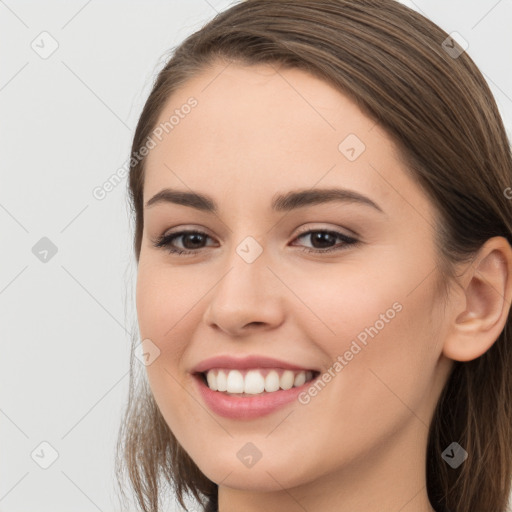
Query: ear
(481,310)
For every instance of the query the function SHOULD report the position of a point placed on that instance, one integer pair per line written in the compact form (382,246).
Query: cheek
(163,298)
(169,309)
(374,295)
(345,303)
(376,329)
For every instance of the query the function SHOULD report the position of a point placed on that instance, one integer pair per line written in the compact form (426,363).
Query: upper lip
(243,363)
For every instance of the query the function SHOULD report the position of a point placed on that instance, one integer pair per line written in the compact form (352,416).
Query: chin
(272,474)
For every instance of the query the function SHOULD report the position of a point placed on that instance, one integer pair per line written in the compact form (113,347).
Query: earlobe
(487,286)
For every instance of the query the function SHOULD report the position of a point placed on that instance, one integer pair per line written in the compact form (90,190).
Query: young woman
(322,231)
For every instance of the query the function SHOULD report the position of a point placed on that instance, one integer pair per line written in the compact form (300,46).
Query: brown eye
(191,240)
(323,240)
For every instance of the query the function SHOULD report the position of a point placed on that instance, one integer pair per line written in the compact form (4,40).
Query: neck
(388,478)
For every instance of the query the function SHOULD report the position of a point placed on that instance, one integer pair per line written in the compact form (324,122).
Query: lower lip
(240,408)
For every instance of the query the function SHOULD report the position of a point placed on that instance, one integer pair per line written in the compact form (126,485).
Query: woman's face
(256,283)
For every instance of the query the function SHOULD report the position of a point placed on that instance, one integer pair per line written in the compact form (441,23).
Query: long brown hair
(405,73)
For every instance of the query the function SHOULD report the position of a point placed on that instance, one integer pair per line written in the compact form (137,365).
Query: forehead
(258,129)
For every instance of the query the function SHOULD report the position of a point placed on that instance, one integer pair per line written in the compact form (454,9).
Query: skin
(360,444)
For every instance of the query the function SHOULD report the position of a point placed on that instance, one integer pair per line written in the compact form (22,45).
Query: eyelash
(165,241)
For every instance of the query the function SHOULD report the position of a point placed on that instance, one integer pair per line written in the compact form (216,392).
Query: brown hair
(438,109)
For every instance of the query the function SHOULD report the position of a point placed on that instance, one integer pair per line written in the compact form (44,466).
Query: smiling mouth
(256,381)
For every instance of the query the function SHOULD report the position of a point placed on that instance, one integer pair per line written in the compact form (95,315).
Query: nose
(248,296)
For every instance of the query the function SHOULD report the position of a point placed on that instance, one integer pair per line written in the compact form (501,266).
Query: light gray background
(66,126)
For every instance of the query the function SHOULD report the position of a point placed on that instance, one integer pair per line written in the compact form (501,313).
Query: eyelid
(302,230)
(322,227)
(186,228)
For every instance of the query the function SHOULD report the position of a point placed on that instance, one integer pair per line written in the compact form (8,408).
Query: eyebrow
(280,202)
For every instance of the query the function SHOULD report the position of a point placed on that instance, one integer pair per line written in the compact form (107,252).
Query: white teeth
(286,380)
(272,381)
(222,380)
(212,381)
(300,379)
(235,382)
(254,382)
